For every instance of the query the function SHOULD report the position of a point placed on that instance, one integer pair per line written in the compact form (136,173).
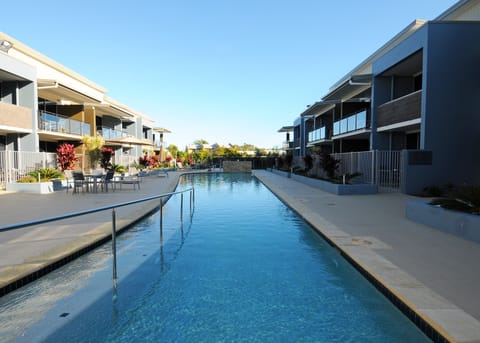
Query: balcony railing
(349,124)
(56,123)
(287,145)
(158,144)
(406,108)
(109,133)
(317,134)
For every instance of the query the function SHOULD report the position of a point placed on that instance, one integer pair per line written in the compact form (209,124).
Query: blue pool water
(246,268)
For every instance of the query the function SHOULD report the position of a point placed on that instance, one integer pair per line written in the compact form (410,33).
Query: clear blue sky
(227,71)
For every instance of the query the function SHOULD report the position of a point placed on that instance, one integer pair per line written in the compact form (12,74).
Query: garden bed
(330,187)
(34,187)
(464,225)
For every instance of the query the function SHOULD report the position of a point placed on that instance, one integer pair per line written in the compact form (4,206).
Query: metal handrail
(114,221)
(84,212)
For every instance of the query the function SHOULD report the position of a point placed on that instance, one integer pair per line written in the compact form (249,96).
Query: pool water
(244,268)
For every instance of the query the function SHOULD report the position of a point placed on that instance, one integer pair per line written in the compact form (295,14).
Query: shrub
(66,156)
(308,159)
(107,154)
(329,164)
(119,169)
(461,198)
(46,174)
(27,179)
(288,160)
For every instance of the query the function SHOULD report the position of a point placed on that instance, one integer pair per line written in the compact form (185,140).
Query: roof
(286,129)
(365,67)
(161,130)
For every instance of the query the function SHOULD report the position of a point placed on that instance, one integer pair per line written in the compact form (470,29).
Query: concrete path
(25,251)
(433,272)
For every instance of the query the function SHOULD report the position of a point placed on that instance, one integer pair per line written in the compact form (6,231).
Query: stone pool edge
(439,319)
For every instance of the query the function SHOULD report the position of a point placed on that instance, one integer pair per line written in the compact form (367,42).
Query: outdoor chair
(79,181)
(109,179)
(69,178)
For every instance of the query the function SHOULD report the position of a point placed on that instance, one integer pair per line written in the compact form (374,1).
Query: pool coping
(439,319)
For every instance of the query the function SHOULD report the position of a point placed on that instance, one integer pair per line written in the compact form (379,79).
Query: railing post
(114,248)
(161,218)
(190,205)
(181,207)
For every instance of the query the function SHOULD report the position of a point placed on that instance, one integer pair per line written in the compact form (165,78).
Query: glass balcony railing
(317,134)
(56,123)
(109,133)
(349,124)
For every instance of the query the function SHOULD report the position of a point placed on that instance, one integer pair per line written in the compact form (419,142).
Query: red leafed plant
(107,154)
(66,156)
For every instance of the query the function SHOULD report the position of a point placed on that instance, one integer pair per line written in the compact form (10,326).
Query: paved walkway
(434,272)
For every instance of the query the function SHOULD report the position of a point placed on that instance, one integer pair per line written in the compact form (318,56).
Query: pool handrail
(9,227)
(20,225)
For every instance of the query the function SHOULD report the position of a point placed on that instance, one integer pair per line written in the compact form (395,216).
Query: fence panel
(376,167)
(388,169)
(17,164)
(357,162)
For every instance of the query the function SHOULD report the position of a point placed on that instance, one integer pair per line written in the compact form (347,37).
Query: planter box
(334,188)
(464,225)
(37,187)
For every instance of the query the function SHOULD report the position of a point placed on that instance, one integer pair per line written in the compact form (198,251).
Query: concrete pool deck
(433,272)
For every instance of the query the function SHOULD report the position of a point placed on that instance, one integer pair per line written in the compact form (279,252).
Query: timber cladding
(237,166)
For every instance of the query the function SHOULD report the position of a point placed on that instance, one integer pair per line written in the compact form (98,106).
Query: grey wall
(450,100)
(451,121)
(22,92)
(381,93)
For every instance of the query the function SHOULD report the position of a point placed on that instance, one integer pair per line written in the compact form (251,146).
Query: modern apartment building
(416,100)
(44,104)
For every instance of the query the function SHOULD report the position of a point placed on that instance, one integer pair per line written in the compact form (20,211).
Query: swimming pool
(246,268)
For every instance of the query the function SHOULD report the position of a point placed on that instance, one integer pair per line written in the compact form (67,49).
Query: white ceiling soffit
(56,92)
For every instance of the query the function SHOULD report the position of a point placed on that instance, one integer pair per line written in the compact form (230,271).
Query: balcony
(317,135)
(158,144)
(15,118)
(356,122)
(287,145)
(110,134)
(56,123)
(403,109)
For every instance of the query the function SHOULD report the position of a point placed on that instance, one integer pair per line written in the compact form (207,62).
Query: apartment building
(412,107)
(44,104)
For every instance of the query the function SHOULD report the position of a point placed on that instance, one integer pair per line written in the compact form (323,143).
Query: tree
(172,149)
(200,142)
(93,145)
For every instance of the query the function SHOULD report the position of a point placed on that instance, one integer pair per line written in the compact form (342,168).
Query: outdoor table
(94,178)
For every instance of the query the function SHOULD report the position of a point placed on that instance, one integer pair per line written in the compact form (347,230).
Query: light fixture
(5,45)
